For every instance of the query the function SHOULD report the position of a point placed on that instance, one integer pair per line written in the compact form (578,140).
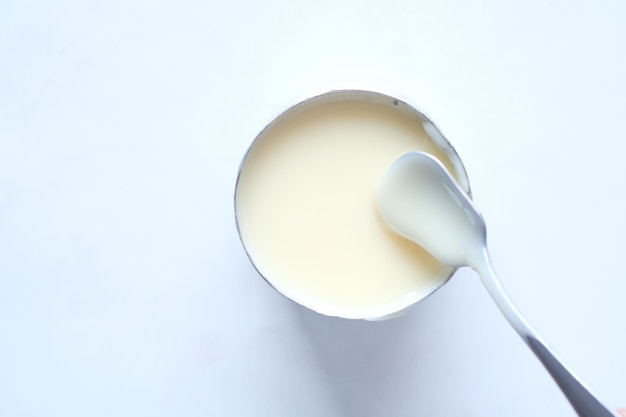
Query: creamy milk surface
(307,213)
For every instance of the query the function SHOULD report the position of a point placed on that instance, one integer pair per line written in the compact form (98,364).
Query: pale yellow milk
(307,214)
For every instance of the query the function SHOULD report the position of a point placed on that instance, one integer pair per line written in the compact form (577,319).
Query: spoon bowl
(449,225)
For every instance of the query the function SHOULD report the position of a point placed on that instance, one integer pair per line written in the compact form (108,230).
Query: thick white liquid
(307,213)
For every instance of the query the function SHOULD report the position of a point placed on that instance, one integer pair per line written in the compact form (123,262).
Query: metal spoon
(420,201)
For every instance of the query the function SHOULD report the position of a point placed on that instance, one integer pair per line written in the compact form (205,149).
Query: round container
(278,244)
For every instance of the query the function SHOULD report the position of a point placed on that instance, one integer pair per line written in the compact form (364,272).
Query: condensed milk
(306,211)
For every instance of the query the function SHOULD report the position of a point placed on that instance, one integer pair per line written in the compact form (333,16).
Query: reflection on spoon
(420,201)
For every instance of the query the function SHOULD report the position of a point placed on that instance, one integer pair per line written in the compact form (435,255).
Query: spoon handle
(580,397)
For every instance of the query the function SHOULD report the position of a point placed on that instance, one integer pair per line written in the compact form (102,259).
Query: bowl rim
(431,129)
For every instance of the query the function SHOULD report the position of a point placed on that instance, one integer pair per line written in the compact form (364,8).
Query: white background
(124,290)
